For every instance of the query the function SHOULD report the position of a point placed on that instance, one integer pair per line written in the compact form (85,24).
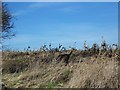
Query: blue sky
(65,23)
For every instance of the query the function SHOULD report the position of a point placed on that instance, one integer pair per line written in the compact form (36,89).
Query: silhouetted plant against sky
(7,23)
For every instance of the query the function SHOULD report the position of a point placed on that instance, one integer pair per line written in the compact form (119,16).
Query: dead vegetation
(95,67)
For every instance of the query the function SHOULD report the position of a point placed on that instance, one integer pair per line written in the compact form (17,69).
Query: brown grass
(40,70)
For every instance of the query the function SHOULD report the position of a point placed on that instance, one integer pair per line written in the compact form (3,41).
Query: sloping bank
(101,72)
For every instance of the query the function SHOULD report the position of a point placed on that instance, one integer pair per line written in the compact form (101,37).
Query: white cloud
(31,7)
(39,5)
(19,13)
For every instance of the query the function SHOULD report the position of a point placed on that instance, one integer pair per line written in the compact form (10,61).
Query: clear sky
(65,23)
